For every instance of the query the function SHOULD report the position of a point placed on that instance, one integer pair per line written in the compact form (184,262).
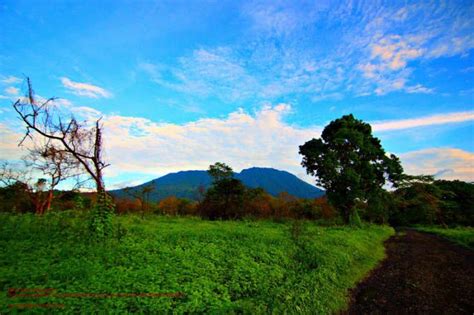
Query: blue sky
(182,84)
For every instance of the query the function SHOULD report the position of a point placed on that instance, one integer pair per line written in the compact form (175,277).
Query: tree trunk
(49,201)
(99,186)
(36,198)
(347,211)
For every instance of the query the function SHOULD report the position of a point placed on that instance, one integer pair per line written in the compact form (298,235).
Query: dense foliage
(457,202)
(15,198)
(438,202)
(220,266)
(350,164)
(229,198)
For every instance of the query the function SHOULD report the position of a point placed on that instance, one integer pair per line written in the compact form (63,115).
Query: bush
(123,206)
(14,198)
(224,200)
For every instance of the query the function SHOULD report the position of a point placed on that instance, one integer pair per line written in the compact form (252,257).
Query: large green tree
(350,163)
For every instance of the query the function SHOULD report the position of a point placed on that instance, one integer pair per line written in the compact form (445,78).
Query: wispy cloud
(11,90)
(10,80)
(281,56)
(439,119)
(386,66)
(426,31)
(418,89)
(394,52)
(206,73)
(85,89)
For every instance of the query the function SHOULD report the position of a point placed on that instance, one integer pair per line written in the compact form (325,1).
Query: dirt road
(422,274)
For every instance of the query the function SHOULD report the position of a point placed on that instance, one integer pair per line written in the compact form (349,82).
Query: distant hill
(185,184)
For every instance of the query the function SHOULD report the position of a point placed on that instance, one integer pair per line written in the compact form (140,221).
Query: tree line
(424,201)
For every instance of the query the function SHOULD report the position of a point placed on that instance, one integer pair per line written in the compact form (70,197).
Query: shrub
(123,206)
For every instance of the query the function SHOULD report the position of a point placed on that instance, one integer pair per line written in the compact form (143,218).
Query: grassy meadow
(220,266)
(461,235)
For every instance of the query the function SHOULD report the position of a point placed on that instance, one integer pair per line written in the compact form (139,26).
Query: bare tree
(68,138)
(55,164)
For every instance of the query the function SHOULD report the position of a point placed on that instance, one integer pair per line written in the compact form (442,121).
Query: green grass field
(221,266)
(461,235)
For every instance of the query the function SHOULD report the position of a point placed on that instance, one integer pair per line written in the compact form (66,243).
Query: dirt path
(422,274)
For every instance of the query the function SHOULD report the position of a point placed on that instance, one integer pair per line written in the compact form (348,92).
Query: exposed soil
(422,274)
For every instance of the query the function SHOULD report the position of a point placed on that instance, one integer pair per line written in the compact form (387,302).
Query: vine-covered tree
(350,163)
(81,142)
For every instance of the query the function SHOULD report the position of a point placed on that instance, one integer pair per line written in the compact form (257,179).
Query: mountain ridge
(185,184)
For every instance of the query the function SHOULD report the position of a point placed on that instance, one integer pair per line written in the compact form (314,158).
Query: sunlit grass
(461,235)
(220,266)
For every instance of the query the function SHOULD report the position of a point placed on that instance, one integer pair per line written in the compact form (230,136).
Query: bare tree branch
(70,141)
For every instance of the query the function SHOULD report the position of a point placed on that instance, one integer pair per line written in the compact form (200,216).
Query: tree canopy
(350,163)
(220,172)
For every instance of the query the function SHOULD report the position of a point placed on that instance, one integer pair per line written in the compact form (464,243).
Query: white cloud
(242,140)
(11,90)
(85,89)
(9,149)
(142,146)
(266,75)
(444,163)
(4,97)
(136,145)
(439,119)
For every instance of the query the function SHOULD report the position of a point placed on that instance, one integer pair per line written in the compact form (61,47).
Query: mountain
(185,184)
(275,182)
